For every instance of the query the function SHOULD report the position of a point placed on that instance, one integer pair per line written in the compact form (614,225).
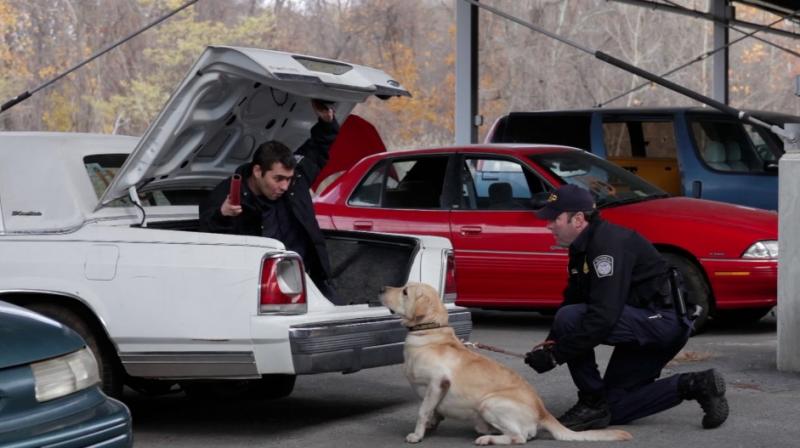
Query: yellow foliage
(176,45)
(58,115)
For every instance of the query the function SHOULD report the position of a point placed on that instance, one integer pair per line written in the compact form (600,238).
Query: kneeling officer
(618,294)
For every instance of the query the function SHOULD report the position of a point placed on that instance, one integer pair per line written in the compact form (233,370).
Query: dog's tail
(561,432)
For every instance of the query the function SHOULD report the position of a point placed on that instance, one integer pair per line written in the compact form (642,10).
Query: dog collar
(425,326)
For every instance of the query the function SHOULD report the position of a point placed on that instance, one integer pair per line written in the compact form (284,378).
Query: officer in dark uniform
(618,294)
(275,201)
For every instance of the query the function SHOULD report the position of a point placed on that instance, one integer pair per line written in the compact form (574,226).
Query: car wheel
(740,317)
(270,387)
(110,370)
(696,286)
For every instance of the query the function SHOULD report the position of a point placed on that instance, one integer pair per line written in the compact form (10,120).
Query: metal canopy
(773,6)
(467,117)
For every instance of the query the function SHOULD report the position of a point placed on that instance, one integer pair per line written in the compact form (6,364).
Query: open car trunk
(361,263)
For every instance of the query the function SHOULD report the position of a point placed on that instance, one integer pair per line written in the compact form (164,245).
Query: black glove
(541,359)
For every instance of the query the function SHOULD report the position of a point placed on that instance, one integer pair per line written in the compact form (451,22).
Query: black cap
(567,198)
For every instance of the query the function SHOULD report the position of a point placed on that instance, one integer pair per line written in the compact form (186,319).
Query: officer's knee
(567,318)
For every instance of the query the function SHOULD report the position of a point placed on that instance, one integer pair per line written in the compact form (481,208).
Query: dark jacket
(609,267)
(312,155)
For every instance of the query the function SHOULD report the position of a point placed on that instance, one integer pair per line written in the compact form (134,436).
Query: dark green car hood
(26,337)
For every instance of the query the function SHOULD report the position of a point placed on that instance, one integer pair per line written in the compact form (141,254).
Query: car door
(403,194)
(505,256)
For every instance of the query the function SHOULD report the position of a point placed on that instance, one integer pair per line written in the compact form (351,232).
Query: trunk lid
(232,100)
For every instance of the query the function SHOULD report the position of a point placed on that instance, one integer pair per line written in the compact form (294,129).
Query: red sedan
(481,198)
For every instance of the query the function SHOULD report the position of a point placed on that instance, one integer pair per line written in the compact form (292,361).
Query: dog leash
(482,346)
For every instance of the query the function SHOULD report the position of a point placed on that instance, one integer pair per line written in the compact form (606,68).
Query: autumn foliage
(413,40)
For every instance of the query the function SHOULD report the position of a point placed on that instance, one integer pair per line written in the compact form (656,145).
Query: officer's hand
(228,209)
(541,359)
(325,110)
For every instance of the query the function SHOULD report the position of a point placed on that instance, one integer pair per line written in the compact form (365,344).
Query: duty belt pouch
(678,290)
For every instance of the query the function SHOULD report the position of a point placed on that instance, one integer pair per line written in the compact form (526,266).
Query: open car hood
(232,100)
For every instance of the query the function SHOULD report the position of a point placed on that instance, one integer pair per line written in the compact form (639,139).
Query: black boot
(708,388)
(590,412)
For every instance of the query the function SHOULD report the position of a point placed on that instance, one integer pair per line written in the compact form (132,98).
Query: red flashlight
(233,196)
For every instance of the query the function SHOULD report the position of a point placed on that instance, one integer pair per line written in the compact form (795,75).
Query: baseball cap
(567,198)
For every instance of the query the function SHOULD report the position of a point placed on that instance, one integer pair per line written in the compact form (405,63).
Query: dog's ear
(423,308)
(435,310)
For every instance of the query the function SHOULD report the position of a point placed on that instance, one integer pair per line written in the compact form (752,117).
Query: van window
(761,143)
(645,148)
(653,139)
(570,130)
(728,146)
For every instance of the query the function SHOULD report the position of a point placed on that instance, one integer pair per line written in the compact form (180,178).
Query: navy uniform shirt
(609,267)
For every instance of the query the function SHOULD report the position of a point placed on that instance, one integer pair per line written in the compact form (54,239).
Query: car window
(762,144)
(608,183)
(368,192)
(728,146)
(403,183)
(102,168)
(650,139)
(497,184)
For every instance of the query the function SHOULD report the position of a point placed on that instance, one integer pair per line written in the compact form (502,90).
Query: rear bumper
(351,345)
(85,419)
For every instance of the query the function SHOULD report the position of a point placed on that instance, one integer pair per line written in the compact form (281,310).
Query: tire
(696,285)
(111,374)
(148,387)
(744,316)
(269,387)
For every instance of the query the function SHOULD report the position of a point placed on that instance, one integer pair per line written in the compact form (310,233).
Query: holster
(677,290)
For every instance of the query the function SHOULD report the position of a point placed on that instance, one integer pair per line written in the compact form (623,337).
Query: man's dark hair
(273,151)
(588,215)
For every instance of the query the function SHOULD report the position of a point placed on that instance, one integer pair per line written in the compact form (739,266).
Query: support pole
(721,9)
(466,119)
(789,258)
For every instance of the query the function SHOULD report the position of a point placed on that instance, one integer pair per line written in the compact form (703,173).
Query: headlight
(64,375)
(762,250)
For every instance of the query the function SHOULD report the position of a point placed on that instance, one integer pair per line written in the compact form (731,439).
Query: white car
(100,233)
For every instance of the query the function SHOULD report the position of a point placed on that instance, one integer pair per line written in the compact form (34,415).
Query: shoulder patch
(604,266)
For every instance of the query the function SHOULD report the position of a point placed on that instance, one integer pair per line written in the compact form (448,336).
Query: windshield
(102,168)
(608,183)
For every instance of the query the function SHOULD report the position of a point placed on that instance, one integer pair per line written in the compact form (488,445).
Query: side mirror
(539,200)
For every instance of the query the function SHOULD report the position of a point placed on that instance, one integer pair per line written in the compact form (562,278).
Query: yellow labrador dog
(456,382)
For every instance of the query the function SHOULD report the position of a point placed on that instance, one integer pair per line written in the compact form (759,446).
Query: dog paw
(483,440)
(413,438)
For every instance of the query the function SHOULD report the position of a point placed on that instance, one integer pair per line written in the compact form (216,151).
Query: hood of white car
(232,100)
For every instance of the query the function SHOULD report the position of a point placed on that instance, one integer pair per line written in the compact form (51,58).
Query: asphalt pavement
(376,407)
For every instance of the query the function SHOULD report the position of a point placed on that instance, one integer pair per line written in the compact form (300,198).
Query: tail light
(283,286)
(450,277)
